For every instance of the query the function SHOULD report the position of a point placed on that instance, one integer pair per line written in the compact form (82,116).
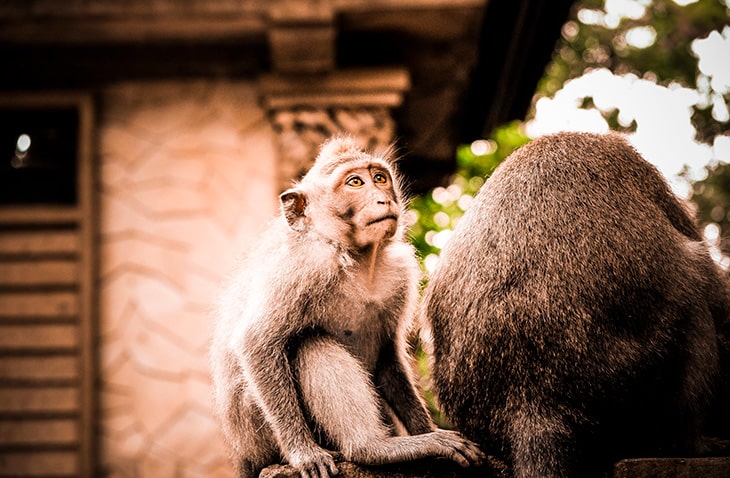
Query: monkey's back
(574,287)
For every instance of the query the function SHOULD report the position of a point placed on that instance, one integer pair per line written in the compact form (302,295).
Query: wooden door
(47,305)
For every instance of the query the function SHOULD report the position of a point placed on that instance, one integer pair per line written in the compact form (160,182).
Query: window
(39,153)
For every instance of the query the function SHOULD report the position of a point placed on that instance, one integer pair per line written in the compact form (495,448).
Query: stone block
(713,467)
(429,468)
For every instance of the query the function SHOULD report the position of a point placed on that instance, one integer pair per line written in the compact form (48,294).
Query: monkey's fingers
(461,450)
(320,466)
(328,469)
(472,453)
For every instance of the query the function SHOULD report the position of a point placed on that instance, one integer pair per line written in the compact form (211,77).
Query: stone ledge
(344,88)
(713,467)
(429,468)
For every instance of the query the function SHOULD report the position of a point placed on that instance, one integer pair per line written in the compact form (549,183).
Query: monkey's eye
(380,178)
(354,181)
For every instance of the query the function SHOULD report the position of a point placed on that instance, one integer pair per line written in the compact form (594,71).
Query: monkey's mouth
(392,217)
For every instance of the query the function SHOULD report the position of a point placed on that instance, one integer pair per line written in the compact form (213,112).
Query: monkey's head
(349,196)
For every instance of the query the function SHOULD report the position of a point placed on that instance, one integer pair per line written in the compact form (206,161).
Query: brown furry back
(573,311)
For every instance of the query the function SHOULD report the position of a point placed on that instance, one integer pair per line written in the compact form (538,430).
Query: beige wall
(187,178)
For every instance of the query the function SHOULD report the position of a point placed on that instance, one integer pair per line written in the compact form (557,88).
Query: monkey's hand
(313,462)
(454,446)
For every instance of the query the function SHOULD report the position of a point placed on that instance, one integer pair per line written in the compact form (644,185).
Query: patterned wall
(187,178)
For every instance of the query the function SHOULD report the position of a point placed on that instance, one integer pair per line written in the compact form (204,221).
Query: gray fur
(574,310)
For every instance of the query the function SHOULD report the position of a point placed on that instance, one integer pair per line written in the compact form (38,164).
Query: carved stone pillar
(306,110)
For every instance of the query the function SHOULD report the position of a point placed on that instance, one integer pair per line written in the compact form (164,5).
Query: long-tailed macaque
(309,355)
(573,312)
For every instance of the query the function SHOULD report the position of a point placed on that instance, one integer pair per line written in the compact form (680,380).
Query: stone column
(306,110)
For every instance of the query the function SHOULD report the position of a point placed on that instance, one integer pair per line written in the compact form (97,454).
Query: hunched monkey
(309,353)
(573,312)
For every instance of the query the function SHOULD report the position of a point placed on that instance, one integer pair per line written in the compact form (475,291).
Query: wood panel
(24,400)
(37,369)
(38,337)
(24,215)
(39,273)
(39,463)
(45,431)
(39,242)
(38,305)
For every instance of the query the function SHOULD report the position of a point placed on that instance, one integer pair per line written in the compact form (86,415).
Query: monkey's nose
(381,199)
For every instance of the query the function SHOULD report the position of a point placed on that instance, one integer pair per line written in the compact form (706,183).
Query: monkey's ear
(293,204)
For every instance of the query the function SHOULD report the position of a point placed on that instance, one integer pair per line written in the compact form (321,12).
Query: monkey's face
(366,200)
(348,197)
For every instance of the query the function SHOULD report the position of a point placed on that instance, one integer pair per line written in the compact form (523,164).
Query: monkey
(572,314)
(309,354)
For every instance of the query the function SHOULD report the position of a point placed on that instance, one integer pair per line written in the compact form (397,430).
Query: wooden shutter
(47,313)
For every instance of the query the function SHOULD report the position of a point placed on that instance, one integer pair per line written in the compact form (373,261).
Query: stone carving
(301,130)
(304,110)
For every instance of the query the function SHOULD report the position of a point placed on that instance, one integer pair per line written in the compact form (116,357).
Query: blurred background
(145,142)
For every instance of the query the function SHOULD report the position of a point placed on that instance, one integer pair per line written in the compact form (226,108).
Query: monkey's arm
(396,385)
(263,352)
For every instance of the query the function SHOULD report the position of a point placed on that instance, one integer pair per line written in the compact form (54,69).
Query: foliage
(594,38)
(712,198)
(439,210)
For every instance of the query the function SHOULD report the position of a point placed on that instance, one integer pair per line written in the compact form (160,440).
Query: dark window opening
(38,149)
